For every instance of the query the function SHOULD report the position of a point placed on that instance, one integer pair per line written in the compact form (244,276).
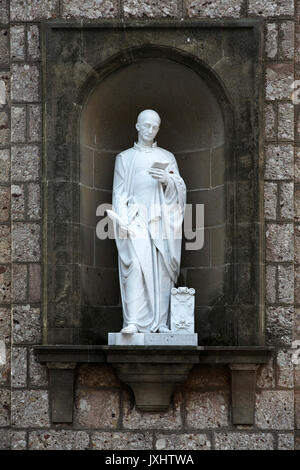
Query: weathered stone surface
(4,361)
(4,128)
(26,324)
(296,328)
(286,441)
(96,409)
(30,10)
(274,410)
(186,441)
(270,121)
(134,419)
(4,203)
(29,408)
(33,41)
(279,162)
(19,282)
(25,163)
(4,407)
(4,165)
(285,369)
(35,123)
(121,441)
(5,324)
(34,283)
(4,437)
(279,325)
(297,409)
(286,44)
(150,8)
(33,201)
(286,200)
(271,40)
(38,373)
(26,242)
(58,440)
(4,55)
(4,11)
(297,203)
(270,200)
(214,9)
(271,7)
(97,376)
(266,375)
(5,244)
(279,78)
(297,284)
(285,121)
(25,83)
(244,441)
(286,284)
(19,367)
(271,283)
(92,9)
(297,244)
(17,202)
(279,242)
(17,42)
(206,410)
(5,87)
(18,440)
(207,376)
(297,165)
(18,123)
(5,284)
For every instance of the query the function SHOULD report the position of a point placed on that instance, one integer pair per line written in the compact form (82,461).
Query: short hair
(148,111)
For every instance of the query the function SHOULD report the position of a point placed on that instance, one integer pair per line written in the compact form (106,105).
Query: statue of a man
(148,208)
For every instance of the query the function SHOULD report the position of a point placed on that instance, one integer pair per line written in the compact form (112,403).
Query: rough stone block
(297,244)
(4,165)
(244,441)
(4,55)
(5,407)
(270,121)
(207,376)
(4,203)
(286,43)
(93,9)
(35,123)
(30,10)
(5,317)
(96,409)
(38,373)
(275,410)
(33,201)
(270,200)
(297,409)
(214,9)
(296,326)
(297,284)
(26,324)
(297,203)
(279,78)
(4,361)
(271,284)
(25,163)
(134,419)
(285,369)
(25,82)
(279,162)
(33,42)
(285,121)
(18,124)
(150,8)
(17,42)
(5,284)
(286,441)
(19,367)
(18,440)
(186,441)
(17,202)
(206,410)
(4,11)
(286,284)
(266,375)
(271,7)
(29,408)
(34,283)
(4,87)
(286,200)
(5,242)
(279,325)
(121,441)
(279,242)
(97,376)
(26,242)
(4,128)
(271,45)
(58,440)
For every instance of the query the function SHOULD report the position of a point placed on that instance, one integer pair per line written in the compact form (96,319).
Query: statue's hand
(161,175)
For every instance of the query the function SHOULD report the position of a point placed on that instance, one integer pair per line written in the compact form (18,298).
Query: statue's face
(148,127)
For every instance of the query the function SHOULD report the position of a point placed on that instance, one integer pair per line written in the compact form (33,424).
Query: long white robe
(149,258)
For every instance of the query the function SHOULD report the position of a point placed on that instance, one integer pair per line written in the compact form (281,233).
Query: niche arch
(197,127)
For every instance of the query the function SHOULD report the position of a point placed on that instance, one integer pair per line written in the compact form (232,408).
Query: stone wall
(105,417)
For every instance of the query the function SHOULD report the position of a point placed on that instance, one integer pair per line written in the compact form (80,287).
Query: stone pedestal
(153,339)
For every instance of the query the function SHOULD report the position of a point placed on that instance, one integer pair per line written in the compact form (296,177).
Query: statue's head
(147,125)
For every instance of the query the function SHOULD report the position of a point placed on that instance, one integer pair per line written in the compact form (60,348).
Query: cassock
(149,252)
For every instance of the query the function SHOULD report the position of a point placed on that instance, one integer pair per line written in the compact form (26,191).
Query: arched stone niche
(93,89)
(193,129)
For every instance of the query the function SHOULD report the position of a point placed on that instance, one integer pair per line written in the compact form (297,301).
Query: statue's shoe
(163,329)
(129,330)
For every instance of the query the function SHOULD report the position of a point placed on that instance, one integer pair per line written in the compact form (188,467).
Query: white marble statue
(148,208)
